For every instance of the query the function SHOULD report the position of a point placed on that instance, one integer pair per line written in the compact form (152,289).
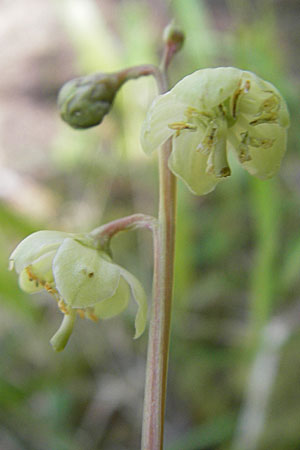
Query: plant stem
(104,233)
(134,72)
(159,333)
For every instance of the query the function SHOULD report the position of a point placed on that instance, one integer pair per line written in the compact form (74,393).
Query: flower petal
(190,164)
(114,305)
(207,88)
(83,275)
(165,110)
(140,297)
(262,96)
(34,246)
(27,284)
(34,277)
(267,145)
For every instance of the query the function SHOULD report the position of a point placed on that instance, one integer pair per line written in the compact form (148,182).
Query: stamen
(90,314)
(192,112)
(260,142)
(31,276)
(268,111)
(81,313)
(217,163)
(236,95)
(179,126)
(265,117)
(243,148)
(207,142)
(271,103)
(62,306)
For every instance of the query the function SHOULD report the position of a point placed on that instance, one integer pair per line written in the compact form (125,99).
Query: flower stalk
(159,332)
(103,234)
(196,123)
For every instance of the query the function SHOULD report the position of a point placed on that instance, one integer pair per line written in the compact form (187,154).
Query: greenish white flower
(211,111)
(82,278)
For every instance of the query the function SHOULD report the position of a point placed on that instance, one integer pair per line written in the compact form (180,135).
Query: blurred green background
(235,362)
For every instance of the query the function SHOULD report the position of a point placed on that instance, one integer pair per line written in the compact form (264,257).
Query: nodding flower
(83,279)
(211,112)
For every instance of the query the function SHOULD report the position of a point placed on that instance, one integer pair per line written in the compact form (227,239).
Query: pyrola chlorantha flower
(82,278)
(211,111)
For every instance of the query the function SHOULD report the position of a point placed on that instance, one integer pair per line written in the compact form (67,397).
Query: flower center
(213,144)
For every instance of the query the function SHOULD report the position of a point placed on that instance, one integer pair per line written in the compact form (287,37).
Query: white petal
(165,110)
(140,297)
(34,246)
(27,284)
(83,276)
(190,164)
(265,160)
(250,103)
(114,305)
(207,88)
(33,278)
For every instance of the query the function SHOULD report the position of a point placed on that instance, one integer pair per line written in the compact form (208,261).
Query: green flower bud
(211,111)
(84,101)
(82,279)
(173,36)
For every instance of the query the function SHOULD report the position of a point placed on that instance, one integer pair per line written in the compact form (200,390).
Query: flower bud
(83,102)
(173,37)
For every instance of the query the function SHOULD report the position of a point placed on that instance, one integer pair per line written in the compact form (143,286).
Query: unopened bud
(83,102)
(173,36)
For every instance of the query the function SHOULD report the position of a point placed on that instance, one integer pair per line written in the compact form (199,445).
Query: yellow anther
(268,111)
(265,117)
(236,95)
(90,314)
(179,126)
(62,306)
(271,103)
(260,142)
(81,313)
(31,275)
(207,143)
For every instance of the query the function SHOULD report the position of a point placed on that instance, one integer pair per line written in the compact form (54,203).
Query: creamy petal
(251,103)
(190,164)
(83,276)
(207,88)
(140,298)
(114,305)
(266,150)
(35,246)
(27,284)
(165,110)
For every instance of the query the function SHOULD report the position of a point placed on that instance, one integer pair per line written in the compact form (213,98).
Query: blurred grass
(237,251)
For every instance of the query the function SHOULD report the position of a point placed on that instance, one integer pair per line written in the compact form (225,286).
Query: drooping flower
(211,111)
(82,278)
